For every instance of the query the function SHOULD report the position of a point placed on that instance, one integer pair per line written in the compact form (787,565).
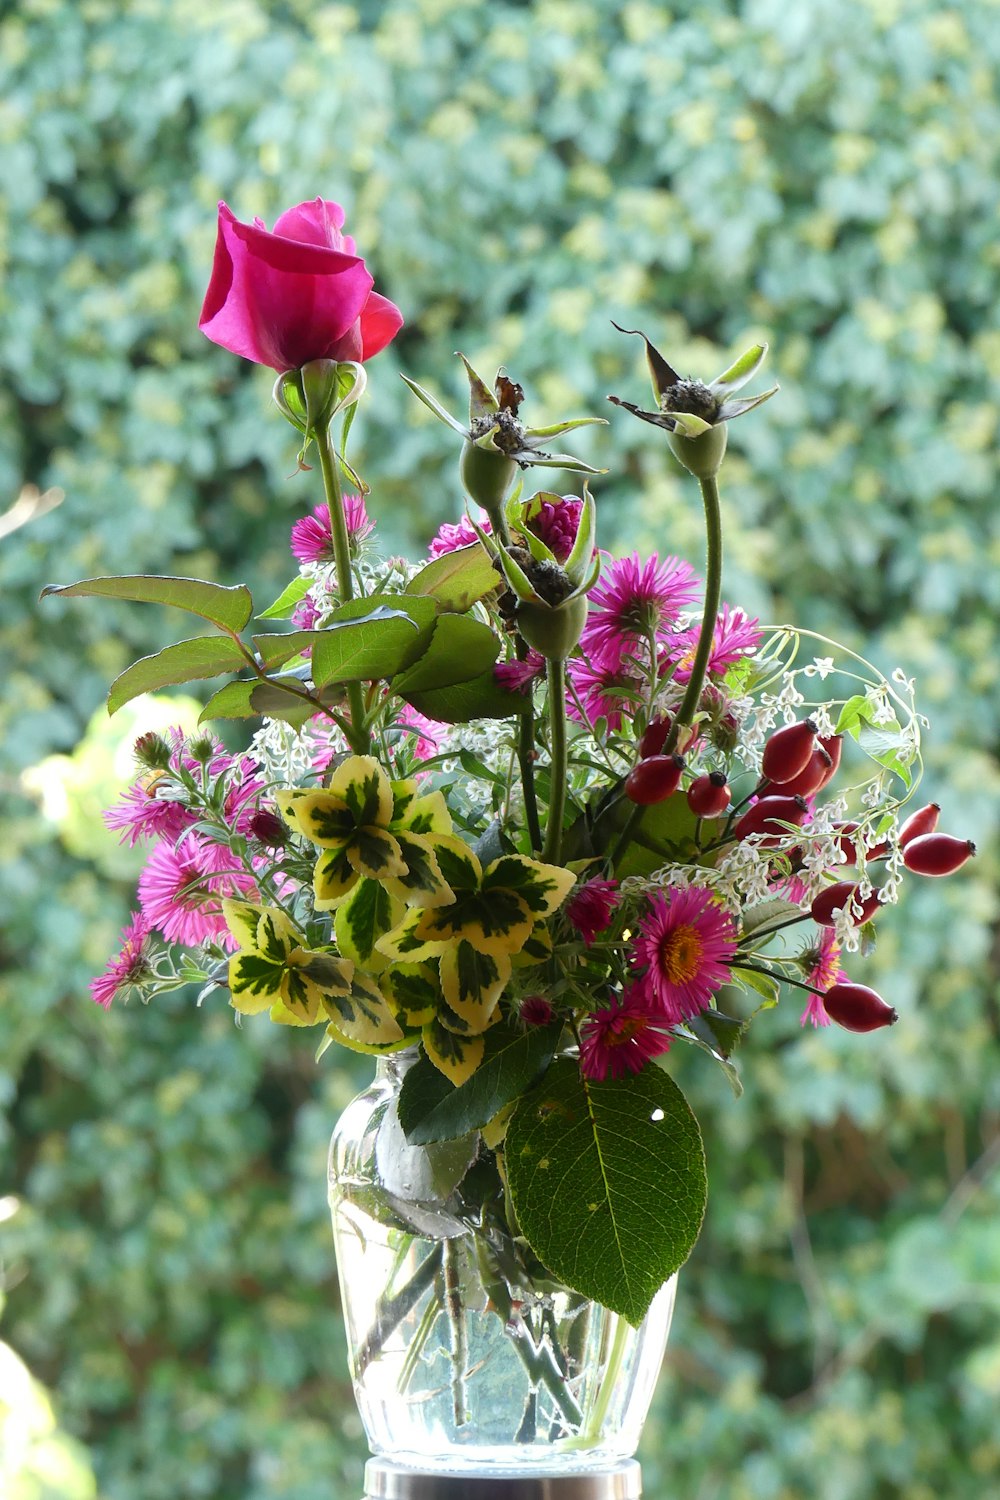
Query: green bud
(487,476)
(702,455)
(152,751)
(553,632)
(311,396)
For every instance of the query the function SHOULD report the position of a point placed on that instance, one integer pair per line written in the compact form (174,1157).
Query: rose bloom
(299,293)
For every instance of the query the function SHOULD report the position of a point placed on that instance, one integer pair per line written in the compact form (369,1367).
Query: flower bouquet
(517,819)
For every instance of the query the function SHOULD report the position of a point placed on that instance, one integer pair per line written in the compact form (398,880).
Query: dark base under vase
(385,1480)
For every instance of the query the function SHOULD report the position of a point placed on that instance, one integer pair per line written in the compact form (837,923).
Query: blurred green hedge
(819,174)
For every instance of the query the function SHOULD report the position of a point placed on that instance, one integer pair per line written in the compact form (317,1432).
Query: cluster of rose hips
(798,763)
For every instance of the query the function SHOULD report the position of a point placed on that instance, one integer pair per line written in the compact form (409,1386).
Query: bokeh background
(822,174)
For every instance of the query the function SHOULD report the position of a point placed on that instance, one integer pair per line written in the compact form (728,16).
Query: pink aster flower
(822,964)
(145,811)
(182,886)
(590,908)
(449,538)
(130,968)
(603,691)
(623,1038)
(312,536)
(535,1010)
(556,524)
(681,951)
(516,675)
(734,637)
(305,616)
(633,601)
(428,733)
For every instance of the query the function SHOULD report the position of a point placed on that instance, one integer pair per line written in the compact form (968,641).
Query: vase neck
(392,1067)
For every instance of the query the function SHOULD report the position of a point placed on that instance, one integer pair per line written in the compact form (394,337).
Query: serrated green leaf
(229,608)
(608,1182)
(432,1109)
(458,580)
(360,644)
(480,698)
(459,649)
(286,601)
(185,661)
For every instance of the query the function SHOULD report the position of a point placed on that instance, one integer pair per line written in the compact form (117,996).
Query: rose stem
(360,738)
(558,766)
(713,589)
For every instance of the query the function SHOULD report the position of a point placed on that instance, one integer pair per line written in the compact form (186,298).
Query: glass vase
(466,1355)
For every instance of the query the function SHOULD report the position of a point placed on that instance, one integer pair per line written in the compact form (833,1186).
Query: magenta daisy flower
(312,536)
(130,968)
(556,524)
(427,732)
(735,636)
(591,908)
(449,538)
(681,952)
(633,601)
(623,1038)
(145,812)
(603,691)
(181,889)
(516,675)
(821,963)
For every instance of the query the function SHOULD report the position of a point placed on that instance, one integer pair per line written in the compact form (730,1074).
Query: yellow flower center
(681,954)
(626,1031)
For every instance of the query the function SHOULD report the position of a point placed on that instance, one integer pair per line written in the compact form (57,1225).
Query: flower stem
(558,766)
(526,762)
(390,1311)
(359,736)
(713,590)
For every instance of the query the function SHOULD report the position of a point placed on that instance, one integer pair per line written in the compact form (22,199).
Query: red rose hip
(858,1008)
(836,897)
(654,779)
(937,854)
(815,776)
(787,752)
(924,820)
(709,796)
(767,816)
(655,736)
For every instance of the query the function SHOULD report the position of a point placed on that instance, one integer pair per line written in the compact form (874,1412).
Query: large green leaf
(608,1182)
(460,648)
(252,698)
(480,698)
(459,579)
(433,1109)
(186,661)
(362,645)
(229,608)
(286,600)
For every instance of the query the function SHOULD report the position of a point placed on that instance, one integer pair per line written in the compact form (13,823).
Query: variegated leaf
(422,884)
(242,919)
(333,878)
(325,819)
(457,863)
(404,945)
(365,789)
(543,888)
(418,813)
(497,922)
(254,982)
(413,992)
(457,1057)
(472,984)
(276,935)
(375,853)
(536,950)
(363,1019)
(368,914)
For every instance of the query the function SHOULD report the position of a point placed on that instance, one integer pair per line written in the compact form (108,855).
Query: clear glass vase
(465,1354)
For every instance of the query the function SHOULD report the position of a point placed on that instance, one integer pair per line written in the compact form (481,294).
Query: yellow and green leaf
(375,853)
(457,1057)
(422,883)
(365,790)
(497,923)
(404,945)
(536,950)
(414,812)
(334,878)
(368,913)
(363,1018)
(471,984)
(413,991)
(543,888)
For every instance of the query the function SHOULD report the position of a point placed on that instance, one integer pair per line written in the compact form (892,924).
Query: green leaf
(884,744)
(252,698)
(608,1182)
(229,608)
(768,914)
(855,712)
(744,369)
(287,599)
(458,580)
(479,698)
(365,916)
(186,661)
(432,1109)
(362,645)
(459,649)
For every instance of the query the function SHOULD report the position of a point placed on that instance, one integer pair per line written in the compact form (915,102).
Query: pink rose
(294,295)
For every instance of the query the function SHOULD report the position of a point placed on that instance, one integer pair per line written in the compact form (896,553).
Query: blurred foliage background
(820,174)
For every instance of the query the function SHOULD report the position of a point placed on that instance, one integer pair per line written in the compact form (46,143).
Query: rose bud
(654,780)
(787,752)
(937,854)
(709,796)
(816,775)
(833,744)
(763,816)
(837,898)
(858,1008)
(655,736)
(268,828)
(924,820)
